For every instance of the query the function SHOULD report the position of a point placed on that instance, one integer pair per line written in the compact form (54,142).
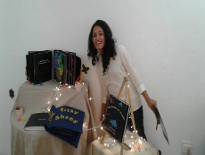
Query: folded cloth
(66,123)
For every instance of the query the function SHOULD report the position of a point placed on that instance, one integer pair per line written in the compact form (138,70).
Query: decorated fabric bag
(66,123)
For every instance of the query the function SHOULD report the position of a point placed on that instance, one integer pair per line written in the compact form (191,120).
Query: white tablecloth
(35,98)
(109,147)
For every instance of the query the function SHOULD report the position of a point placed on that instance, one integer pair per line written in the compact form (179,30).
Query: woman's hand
(152,104)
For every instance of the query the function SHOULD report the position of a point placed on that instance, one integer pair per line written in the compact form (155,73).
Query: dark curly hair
(109,48)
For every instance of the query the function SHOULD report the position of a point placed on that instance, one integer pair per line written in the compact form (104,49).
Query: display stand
(127,95)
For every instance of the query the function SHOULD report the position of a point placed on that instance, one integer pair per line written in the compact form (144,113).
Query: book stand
(127,95)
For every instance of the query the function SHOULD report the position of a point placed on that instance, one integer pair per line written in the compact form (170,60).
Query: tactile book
(66,123)
(60,66)
(116,117)
(36,121)
(67,67)
(39,66)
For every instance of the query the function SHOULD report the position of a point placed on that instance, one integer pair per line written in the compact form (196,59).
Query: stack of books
(65,66)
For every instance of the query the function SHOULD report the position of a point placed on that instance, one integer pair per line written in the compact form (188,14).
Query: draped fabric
(35,98)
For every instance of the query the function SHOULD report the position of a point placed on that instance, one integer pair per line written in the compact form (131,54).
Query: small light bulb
(48,109)
(57,89)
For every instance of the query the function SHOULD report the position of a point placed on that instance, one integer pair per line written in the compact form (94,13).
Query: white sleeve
(129,68)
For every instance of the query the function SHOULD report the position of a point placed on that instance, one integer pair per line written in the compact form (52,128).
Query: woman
(113,64)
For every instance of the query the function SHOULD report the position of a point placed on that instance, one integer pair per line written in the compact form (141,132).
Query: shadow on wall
(201,146)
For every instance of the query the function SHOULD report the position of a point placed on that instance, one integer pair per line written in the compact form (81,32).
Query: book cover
(116,117)
(36,121)
(69,68)
(73,62)
(68,65)
(66,123)
(78,68)
(28,68)
(39,66)
(159,121)
(42,67)
(30,65)
(60,66)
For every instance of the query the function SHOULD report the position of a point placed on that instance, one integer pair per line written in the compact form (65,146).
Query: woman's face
(98,38)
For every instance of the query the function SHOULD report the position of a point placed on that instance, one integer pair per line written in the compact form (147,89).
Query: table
(35,98)
(110,147)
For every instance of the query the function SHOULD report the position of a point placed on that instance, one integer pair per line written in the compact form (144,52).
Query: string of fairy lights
(133,143)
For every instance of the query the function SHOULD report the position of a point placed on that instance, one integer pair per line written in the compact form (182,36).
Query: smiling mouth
(98,44)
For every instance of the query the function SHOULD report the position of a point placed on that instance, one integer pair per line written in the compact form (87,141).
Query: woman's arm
(150,102)
(129,67)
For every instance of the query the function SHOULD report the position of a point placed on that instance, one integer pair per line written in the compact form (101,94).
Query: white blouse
(113,78)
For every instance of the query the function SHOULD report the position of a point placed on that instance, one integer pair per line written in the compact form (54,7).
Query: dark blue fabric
(66,123)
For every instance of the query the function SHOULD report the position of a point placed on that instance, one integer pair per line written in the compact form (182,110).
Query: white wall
(166,39)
